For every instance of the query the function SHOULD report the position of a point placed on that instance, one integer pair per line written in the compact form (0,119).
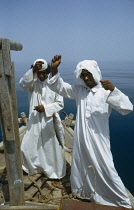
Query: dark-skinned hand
(37,66)
(55,63)
(107,85)
(39,108)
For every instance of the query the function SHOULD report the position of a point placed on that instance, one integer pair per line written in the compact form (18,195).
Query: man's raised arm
(55,63)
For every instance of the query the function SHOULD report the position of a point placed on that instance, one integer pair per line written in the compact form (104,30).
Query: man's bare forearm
(55,63)
(54,71)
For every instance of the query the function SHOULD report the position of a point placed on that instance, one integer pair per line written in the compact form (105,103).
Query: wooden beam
(6,56)
(6,108)
(68,204)
(32,207)
(10,130)
(13,44)
(19,187)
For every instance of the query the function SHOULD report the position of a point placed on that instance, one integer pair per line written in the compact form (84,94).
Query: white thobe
(91,144)
(41,151)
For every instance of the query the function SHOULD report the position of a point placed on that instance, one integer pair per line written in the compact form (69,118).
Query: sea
(121,74)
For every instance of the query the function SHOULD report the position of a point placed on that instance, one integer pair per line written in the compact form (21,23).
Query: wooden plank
(1,64)
(13,45)
(27,182)
(32,207)
(47,189)
(33,189)
(55,206)
(17,174)
(6,56)
(81,205)
(12,88)
(6,107)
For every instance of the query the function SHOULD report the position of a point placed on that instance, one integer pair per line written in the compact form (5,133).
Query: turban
(92,67)
(44,65)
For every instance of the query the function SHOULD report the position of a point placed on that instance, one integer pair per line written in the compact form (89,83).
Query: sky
(102,30)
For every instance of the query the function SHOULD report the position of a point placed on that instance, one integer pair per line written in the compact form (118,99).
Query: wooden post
(9,122)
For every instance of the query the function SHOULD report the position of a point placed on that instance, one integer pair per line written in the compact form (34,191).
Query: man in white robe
(91,144)
(41,150)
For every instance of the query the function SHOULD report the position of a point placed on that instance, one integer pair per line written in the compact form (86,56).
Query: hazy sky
(77,29)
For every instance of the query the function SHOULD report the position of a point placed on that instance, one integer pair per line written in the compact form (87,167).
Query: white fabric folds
(41,151)
(91,145)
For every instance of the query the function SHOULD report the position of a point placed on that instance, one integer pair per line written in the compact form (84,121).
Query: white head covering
(92,67)
(44,65)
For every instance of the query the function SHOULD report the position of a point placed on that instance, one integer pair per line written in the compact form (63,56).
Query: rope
(35,184)
(90,166)
(70,195)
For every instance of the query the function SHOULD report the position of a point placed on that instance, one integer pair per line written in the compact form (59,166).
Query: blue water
(121,74)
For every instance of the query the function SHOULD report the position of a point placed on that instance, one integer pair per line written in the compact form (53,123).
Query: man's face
(42,75)
(87,77)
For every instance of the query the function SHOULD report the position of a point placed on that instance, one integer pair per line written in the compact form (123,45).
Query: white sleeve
(57,84)
(27,80)
(120,102)
(54,107)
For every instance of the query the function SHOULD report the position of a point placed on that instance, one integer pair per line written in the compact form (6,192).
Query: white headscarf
(44,65)
(92,67)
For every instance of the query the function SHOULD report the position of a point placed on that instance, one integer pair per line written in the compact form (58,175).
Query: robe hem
(27,171)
